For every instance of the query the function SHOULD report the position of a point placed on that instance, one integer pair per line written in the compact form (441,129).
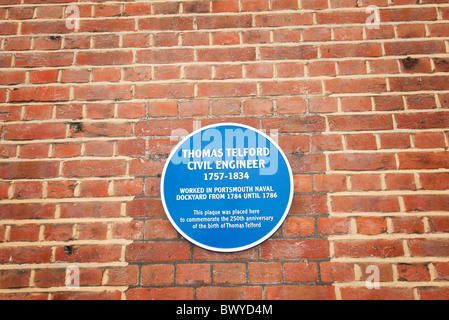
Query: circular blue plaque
(227,187)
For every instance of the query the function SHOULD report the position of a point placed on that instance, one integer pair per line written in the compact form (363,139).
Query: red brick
(106,74)
(259,70)
(27,211)
(160,294)
(441,65)
(145,208)
(309,204)
(102,92)
(419,83)
(104,295)
(283,20)
(158,252)
(157,91)
(26,232)
(442,270)
(371,225)
(427,202)
(365,204)
(363,141)
(229,293)
(433,293)
(289,69)
(90,253)
(408,225)
(194,108)
(321,68)
(317,34)
(165,56)
(45,93)
(400,181)
(25,254)
(123,276)
(340,85)
(29,169)
(166,23)
(94,188)
(131,110)
(356,104)
(327,142)
(294,226)
(12,77)
(107,25)
(198,72)
(415,272)
(307,163)
(93,231)
(300,293)
(157,274)
(300,272)
(14,278)
(423,160)
(337,271)
(434,181)
(139,167)
(429,140)
(362,161)
(125,230)
(387,103)
(43,59)
(92,168)
(228,273)
(34,151)
(330,183)
(348,33)
(254,5)
(66,150)
(295,124)
(395,140)
(341,17)
(331,226)
(360,122)
(99,148)
(128,187)
(58,232)
(352,50)
(293,36)
(226,89)
(27,190)
(362,293)
(421,65)
(414,47)
(368,248)
(162,127)
(35,131)
(265,272)
(314,4)
(421,247)
(223,22)
(159,229)
(288,52)
(163,109)
(198,274)
(294,249)
(294,143)
(422,120)
(90,209)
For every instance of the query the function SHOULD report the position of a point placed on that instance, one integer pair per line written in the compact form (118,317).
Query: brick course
(87,118)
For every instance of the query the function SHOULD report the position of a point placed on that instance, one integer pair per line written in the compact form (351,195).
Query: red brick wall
(87,117)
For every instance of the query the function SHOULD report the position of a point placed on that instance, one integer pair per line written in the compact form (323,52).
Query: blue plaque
(227,187)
